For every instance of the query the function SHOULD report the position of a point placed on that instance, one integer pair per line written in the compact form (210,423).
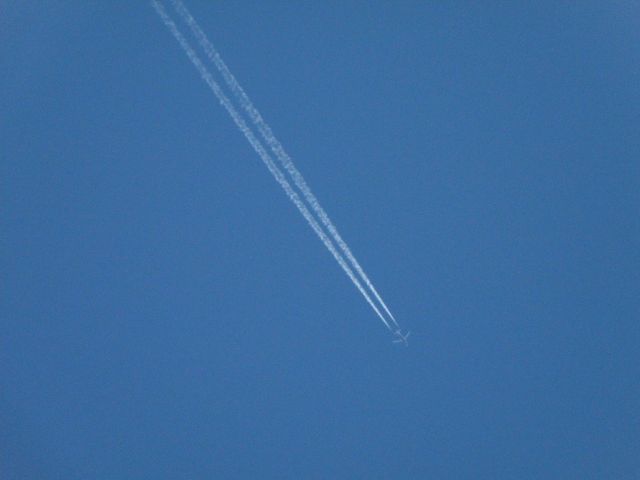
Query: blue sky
(167,313)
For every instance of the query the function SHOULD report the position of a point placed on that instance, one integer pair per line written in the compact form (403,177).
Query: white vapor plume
(264,156)
(274,144)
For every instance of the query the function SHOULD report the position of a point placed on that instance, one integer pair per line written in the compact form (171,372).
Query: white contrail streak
(257,146)
(274,144)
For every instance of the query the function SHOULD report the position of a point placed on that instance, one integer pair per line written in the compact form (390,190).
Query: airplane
(401,338)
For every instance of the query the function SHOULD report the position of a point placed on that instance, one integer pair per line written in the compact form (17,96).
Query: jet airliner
(401,338)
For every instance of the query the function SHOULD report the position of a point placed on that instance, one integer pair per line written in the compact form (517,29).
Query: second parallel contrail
(264,156)
(275,145)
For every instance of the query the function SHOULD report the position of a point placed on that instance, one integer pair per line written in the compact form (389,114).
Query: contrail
(257,146)
(274,144)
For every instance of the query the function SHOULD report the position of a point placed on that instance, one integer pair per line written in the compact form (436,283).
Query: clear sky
(166,312)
